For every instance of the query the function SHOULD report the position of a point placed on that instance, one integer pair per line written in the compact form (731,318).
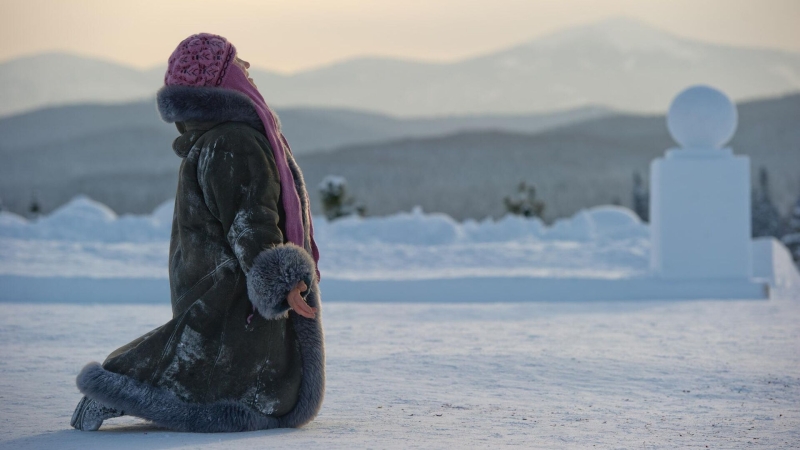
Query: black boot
(89,415)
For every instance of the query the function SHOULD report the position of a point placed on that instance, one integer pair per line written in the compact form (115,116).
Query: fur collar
(206,104)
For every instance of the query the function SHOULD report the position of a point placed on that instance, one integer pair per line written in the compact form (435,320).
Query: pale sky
(291,35)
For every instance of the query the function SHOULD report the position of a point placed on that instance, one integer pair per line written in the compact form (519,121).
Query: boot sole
(78,414)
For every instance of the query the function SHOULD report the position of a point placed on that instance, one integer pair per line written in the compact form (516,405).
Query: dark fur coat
(208,369)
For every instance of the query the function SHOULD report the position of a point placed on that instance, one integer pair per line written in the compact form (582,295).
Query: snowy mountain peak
(622,33)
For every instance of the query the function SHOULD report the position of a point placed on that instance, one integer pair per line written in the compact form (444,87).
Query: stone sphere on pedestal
(702,118)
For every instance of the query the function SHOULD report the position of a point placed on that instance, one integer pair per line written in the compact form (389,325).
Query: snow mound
(11,220)
(773,263)
(84,252)
(414,228)
(615,221)
(418,228)
(508,228)
(85,220)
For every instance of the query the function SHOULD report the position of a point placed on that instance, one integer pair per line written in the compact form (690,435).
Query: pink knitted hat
(200,60)
(206,60)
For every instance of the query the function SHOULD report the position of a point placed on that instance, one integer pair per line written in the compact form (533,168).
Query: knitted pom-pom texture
(199,60)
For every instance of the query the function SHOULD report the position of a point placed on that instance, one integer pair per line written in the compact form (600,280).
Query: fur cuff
(275,272)
(206,104)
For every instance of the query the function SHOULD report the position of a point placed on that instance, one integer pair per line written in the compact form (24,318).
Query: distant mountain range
(126,163)
(307,129)
(619,63)
(589,163)
(57,152)
(52,79)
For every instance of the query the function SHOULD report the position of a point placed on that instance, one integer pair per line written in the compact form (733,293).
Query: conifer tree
(794,217)
(34,208)
(766,220)
(641,198)
(524,202)
(336,202)
(792,238)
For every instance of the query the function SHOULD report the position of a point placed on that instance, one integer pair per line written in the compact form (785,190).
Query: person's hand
(298,304)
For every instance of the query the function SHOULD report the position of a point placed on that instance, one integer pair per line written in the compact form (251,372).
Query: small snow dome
(702,118)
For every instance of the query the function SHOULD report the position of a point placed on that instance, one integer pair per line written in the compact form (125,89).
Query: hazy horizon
(316,35)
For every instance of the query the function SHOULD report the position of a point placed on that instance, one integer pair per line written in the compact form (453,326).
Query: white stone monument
(700,196)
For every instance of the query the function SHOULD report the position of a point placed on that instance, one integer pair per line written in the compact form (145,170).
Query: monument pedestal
(700,201)
(700,215)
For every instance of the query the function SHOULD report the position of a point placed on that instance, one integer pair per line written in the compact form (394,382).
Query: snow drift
(84,252)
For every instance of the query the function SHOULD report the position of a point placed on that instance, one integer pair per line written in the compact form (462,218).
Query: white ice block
(700,215)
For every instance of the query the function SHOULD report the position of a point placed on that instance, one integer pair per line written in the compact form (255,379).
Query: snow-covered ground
(696,374)
(478,366)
